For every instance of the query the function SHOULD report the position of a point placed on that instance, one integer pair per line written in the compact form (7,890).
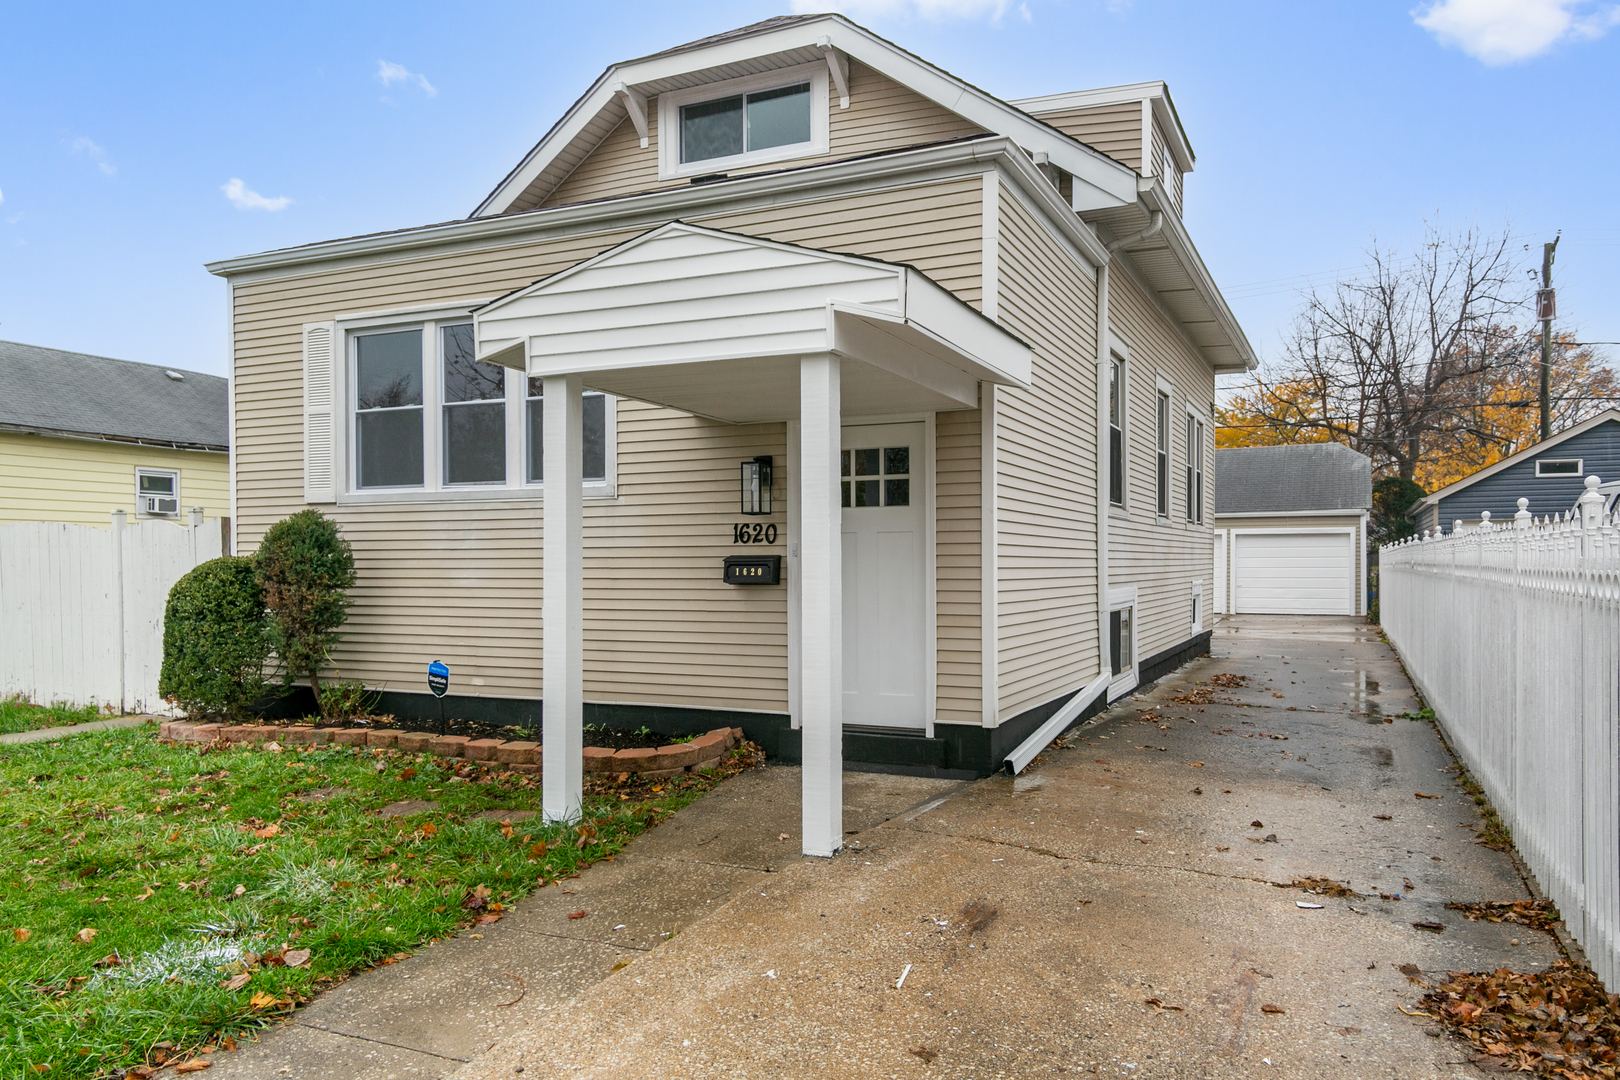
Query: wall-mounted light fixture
(756,486)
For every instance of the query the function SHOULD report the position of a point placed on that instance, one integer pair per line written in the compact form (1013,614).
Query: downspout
(1155,223)
(1104,467)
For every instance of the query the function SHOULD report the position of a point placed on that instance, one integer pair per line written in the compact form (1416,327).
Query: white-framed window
(1197,607)
(1559,467)
(755,120)
(1161,453)
(157,492)
(1116,430)
(427,420)
(1195,469)
(1121,644)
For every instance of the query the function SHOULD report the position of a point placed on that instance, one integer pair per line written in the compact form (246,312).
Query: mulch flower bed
(595,735)
(1560,1022)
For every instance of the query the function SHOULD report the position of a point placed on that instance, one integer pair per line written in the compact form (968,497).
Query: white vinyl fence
(81,608)
(1512,632)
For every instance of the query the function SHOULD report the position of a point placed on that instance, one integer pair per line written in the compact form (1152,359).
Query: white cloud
(388,74)
(245,199)
(2,196)
(83,146)
(931,10)
(1508,31)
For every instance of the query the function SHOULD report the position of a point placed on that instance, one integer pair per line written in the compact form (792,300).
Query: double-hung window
(1116,431)
(429,420)
(1195,470)
(755,120)
(1161,453)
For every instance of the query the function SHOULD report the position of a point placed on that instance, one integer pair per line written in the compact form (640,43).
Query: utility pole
(1546,308)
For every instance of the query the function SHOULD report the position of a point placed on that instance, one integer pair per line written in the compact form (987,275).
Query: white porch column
(562,604)
(821,606)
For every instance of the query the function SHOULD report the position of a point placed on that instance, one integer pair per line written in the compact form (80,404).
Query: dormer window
(773,116)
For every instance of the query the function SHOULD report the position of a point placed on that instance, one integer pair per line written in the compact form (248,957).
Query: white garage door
(1293,573)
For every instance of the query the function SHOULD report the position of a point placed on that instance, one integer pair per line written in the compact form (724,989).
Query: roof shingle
(51,390)
(1277,479)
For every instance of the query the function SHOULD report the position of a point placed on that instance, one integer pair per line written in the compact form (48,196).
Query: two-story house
(788,381)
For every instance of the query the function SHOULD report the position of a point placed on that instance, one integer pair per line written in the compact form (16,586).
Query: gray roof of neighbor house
(53,392)
(1277,479)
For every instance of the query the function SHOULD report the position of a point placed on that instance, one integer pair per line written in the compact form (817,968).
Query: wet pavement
(1122,908)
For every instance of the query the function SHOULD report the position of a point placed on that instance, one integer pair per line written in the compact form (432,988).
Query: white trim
(1508,462)
(930,576)
(1100,381)
(1119,598)
(1198,606)
(172,474)
(1031,747)
(1294,513)
(795,589)
(990,244)
(670,166)
(1361,561)
(1221,594)
(989,606)
(1580,464)
(1165,393)
(230,412)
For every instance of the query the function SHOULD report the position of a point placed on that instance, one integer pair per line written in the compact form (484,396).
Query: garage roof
(1280,479)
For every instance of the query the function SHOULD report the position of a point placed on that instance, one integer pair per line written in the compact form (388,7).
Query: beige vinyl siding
(460,581)
(1116,129)
(1305,521)
(1046,521)
(83,480)
(959,585)
(882,115)
(1162,557)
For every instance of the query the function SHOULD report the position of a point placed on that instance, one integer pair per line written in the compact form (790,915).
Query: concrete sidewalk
(424,1017)
(1116,910)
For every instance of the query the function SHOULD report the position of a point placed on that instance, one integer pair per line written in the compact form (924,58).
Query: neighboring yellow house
(82,436)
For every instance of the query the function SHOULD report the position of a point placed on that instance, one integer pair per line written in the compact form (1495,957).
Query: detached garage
(1291,530)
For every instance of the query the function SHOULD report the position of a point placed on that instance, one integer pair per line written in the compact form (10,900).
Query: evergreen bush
(216,640)
(306,569)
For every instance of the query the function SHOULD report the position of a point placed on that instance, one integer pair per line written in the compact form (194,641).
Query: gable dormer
(1136,125)
(788,92)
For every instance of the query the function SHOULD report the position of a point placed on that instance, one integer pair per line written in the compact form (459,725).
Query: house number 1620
(753,533)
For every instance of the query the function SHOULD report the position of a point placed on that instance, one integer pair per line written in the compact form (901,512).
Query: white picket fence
(1512,633)
(81,608)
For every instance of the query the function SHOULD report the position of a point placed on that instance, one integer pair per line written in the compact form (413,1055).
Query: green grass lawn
(19,715)
(137,878)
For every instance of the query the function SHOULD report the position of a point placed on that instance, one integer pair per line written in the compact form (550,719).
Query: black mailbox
(753,570)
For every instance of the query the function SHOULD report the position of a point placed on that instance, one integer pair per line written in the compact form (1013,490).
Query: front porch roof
(714,323)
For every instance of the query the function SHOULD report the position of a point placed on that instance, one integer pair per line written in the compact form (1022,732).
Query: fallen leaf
(1195,764)
(1349,1031)
(1276,1010)
(1432,927)
(1382,817)
(577,915)
(1257,824)
(295,958)
(782,836)
(485,920)
(109,961)
(1420,795)
(174,836)
(538,851)
(262,1000)
(194,1065)
(409,772)
(925,1053)
(429,829)
(22,935)
(86,936)
(1413,972)
(236,982)
(268,831)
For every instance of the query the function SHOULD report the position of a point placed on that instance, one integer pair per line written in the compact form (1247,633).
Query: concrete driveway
(1123,908)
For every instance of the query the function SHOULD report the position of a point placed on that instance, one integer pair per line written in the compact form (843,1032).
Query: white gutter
(1030,747)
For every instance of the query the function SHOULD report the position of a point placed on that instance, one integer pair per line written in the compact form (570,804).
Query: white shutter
(320,423)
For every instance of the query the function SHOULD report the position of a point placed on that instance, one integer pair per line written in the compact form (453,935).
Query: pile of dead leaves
(1321,886)
(1560,1022)
(744,756)
(1540,914)
(1231,682)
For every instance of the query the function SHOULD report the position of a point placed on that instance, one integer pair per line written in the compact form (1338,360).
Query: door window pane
(896,492)
(844,466)
(867,493)
(388,417)
(897,460)
(866,462)
(712,129)
(390,447)
(388,370)
(779,117)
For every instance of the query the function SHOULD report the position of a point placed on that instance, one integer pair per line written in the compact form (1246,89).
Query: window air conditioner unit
(160,504)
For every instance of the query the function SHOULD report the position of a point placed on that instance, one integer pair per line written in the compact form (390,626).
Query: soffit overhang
(1171,267)
(1100,180)
(714,323)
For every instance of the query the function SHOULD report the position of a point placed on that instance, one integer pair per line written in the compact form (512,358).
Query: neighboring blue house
(1550,474)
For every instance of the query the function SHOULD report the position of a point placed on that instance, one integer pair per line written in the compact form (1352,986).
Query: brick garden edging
(646,763)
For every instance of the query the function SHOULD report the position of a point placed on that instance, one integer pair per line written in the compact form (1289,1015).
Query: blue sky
(138,142)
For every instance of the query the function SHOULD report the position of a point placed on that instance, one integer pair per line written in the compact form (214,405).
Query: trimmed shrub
(306,569)
(216,640)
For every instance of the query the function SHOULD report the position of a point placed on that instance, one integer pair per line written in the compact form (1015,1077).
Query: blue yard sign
(438,679)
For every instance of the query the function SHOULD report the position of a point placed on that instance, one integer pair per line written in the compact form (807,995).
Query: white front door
(884,468)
